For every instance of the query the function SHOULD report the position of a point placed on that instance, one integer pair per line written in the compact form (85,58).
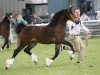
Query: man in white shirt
(74,32)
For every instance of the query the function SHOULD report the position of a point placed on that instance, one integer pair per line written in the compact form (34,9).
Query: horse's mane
(5,18)
(56,18)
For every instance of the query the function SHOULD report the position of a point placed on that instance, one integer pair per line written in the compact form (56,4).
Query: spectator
(36,19)
(18,20)
(84,17)
(29,19)
(98,15)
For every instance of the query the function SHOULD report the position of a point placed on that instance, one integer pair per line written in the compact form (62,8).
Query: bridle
(72,17)
(70,13)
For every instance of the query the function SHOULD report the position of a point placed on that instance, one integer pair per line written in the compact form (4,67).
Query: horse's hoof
(71,58)
(34,59)
(6,68)
(48,62)
(9,62)
(35,62)
(1,49)
(71,54)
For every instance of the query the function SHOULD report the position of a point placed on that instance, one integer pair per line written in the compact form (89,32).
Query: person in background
(74,33)
(36,19)
(84,17)
(98,15)
(18,23)
(18,20)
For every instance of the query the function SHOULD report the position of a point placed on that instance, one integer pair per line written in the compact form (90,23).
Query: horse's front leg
(72,50)
(9,62)
(28,49)
(5,43)
(57,50)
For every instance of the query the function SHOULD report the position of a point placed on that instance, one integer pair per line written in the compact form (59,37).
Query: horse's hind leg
(27,50)
(57,51)
(9,62)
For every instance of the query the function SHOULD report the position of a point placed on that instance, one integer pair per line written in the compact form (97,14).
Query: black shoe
(78,62)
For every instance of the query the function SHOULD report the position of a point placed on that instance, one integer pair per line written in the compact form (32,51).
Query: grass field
(61,66)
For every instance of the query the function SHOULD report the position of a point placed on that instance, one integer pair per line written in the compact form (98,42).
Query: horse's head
(68,15)
(61,17)
(71,13)
(7,17)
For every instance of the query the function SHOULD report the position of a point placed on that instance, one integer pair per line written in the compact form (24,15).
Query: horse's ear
(70,10)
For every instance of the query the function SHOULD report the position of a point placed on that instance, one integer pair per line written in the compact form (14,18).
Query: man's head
(75,11)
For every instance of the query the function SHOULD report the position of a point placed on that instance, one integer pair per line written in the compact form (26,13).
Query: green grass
(61,66)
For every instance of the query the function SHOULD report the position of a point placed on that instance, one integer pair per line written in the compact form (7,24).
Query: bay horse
(5,29)
(53,33)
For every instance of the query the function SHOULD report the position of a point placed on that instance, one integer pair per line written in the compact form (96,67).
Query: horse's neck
(62,22)
(6,24)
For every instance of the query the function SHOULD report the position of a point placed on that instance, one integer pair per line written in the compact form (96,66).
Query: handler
(74,33)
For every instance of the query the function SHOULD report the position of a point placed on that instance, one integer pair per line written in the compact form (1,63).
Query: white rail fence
(94,25)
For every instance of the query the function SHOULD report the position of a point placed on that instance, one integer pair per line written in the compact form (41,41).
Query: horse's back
(40,34)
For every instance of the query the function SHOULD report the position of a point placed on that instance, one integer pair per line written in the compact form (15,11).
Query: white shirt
(75,29)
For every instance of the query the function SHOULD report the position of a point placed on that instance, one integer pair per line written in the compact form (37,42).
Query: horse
(53,33)
(5,29)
